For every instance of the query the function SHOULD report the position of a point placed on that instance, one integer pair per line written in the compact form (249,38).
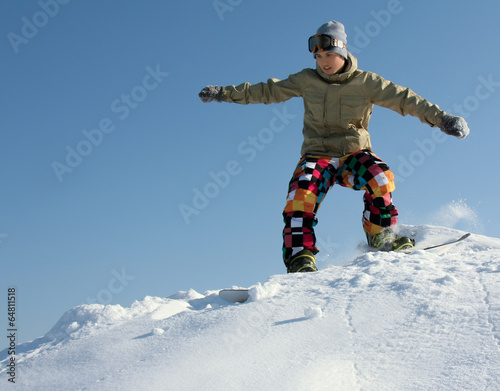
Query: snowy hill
(384,321)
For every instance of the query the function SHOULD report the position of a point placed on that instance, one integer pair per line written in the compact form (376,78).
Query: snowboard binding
(304,261)
(387,240)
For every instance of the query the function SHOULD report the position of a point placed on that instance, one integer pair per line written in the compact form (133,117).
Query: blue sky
(117,182)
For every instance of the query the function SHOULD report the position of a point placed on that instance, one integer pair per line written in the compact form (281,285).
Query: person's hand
(455,126)
(211,93)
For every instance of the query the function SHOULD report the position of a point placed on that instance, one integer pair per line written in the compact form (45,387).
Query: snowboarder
(338,100)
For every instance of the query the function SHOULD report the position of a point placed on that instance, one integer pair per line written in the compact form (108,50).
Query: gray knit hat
(335,30)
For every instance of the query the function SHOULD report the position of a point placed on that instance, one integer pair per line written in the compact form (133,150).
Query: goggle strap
(340,44)
(333,43)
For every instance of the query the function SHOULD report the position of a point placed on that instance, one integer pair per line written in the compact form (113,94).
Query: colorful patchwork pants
(312,179)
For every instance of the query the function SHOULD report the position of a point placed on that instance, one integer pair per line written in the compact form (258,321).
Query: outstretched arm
(404,101)
(273,91)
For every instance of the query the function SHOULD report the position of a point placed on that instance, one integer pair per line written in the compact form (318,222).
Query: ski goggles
(321,42)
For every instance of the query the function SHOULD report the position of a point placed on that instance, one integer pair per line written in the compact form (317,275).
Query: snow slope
(384,321)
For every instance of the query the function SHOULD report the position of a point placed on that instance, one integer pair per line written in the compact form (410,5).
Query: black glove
(455,126)
(211,93)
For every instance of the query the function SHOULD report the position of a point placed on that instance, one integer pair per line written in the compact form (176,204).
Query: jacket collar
(339,78)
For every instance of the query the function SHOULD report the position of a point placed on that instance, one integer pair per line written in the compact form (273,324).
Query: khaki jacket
(337,107)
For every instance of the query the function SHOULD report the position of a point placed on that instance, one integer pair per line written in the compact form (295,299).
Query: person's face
(329,62)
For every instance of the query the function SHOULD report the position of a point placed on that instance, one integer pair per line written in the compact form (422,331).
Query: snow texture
(382,321)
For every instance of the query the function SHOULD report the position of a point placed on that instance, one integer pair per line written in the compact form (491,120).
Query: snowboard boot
(387,240)
(303,261)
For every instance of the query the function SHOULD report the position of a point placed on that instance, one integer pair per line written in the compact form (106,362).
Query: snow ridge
(383,321)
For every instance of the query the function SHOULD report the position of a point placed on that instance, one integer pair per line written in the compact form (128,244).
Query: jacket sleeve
(402,100)
(274,91)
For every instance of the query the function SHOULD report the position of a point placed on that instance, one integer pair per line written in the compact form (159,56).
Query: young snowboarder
(338,100)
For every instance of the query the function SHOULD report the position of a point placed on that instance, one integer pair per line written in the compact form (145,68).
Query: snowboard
(438,248)
(241,295)
(234,295)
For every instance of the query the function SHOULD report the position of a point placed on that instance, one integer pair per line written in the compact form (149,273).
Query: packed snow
(383,321)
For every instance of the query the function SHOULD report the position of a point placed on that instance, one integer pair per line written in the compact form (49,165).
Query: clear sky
(117,182)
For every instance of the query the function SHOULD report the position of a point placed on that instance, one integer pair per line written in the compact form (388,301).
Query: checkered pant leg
(375,219)
(298,233)
(364,170)
(310,182)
